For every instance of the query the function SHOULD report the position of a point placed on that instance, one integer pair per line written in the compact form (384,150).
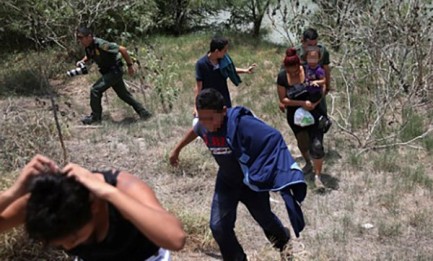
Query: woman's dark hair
(291,58)
(218,43)
(58,206)
(210,99)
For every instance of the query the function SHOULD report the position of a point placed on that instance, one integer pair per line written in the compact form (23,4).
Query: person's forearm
(292,103)
(197,89)
(327,76)
(125,55)
(158,225)
(241,70)
(320,82)
(6,198)
(12,213)
(187,139)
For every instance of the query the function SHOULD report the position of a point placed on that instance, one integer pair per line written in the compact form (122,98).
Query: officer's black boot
(144,114)
(90,119)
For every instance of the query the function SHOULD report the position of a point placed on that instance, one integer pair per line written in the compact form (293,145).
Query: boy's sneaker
(324,123)
(90,119)
(318,182)
(286,253)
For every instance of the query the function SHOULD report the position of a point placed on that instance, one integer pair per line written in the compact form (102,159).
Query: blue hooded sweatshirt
(266,161)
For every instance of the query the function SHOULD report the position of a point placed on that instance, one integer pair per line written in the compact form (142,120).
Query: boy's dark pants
(223,217)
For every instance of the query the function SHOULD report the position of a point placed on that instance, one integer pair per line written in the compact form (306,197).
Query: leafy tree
(38,21)
(248,11)
(47,22)
(179,16)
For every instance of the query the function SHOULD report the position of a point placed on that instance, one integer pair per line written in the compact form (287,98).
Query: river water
(276,31)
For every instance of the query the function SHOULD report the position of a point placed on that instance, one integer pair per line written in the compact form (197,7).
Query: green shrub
(387,161)
(28,74)
(415,175)
(414,125)
(25,82)
(428,143)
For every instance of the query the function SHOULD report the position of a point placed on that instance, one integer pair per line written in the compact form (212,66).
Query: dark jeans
(112,79)
(223,217)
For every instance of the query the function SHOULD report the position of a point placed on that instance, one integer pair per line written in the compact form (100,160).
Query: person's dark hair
(218,43)
(291,58)
(58,206)
(210,99)
(310,34)
(85,31)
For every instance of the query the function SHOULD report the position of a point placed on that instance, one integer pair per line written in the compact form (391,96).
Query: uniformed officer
(106,55)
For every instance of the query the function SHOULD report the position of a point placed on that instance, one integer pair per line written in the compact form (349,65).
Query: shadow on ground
(332,156)
(124,121)
(213,255)
(330,182)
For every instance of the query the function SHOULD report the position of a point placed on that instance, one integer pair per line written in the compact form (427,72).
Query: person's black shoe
(90,119)
(145,115)
(286,252)
(324,124)
(279,240)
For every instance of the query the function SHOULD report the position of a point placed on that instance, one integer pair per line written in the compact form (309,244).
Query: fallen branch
(406,143)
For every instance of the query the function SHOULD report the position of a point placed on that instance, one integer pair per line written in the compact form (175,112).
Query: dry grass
(391,190)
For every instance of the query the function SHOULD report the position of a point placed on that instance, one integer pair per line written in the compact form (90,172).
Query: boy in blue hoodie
(253,159)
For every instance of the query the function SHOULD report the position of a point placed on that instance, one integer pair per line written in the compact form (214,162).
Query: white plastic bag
(194,121)
(303,117)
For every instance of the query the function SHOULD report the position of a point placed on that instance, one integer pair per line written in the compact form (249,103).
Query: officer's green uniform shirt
(105,54)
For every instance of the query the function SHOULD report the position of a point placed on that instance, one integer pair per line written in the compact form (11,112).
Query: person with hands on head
(106,55)
(99,216)
(253,159)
